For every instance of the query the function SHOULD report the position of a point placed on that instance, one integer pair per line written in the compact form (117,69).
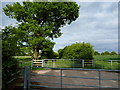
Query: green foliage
(49,55)
(105,53)
(9,41)
(59,52)
(25,51)
(24,61)
(9,48)
(40,21)
(77,51)
(113,53)
(109,53)
(96,53)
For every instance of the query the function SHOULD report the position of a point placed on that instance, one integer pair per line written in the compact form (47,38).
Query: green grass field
(106,57)
(100,62)
(23,60)
(64,64)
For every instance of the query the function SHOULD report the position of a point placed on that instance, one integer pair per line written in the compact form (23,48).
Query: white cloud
(97,24)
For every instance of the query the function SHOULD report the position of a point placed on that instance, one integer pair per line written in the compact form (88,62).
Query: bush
(9,67)
(77,51)
(9,49)
(105,53)
(96,53)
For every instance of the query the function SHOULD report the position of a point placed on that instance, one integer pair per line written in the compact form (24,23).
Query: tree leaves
(77,51)
(45,14)
(41,21)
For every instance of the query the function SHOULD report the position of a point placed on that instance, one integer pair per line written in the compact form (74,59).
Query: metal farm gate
(61,78)
(56,62)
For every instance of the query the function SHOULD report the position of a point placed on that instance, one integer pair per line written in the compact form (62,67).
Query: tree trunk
(44,55)
(35,53)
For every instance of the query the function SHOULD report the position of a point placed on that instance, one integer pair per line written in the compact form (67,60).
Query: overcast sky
(97,24)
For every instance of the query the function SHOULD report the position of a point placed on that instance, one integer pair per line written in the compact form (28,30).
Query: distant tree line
(105,53)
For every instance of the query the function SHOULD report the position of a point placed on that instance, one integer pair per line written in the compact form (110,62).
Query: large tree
(40,21)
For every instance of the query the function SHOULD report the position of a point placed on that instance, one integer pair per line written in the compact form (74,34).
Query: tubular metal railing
(30,82)
(58,62)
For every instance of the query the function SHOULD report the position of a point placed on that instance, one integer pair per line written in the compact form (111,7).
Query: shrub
(77,51)
(96,53)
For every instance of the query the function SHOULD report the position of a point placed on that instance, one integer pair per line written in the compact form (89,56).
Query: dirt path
(76,82)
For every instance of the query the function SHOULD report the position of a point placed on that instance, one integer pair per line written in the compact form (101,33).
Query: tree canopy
(96,53)
(77,51)
(39,22)
(109,53)
(113,53)
(9,49)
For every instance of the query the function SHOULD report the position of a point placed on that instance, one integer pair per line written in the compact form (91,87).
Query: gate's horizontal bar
(76,69)
(74,84)
(87,78)
(72,77)
(43,86)
(87,85)
(44,75)
(45,82)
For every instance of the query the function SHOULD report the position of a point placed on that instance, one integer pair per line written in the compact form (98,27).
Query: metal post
(99,79)
(20,64)
(29,76)
(61,79)
(42,63)
(118,80)
(25,78)
(111,64)
(32,63)
(82,63)
(93,64)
